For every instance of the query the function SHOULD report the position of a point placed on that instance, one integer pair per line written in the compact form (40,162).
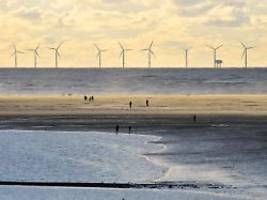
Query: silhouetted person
(93,98)
(90,98)
(117,129)
(85,98)
(195,118)
(147,103)
(130,129)
(130,105)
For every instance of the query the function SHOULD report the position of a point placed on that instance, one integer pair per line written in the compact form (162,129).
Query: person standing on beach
(85,98)
(130,105)
(195,118)
(117,129)
(147,103)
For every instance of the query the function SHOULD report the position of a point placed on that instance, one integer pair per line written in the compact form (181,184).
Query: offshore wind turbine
(35,55)
(150,52)
(186,50)
(215,53)
(245,53)
(57,54)
(123,54)
(99,55)
(15,54)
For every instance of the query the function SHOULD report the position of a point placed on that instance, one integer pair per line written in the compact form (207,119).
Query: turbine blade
(210,47)
(121,46)
(219,46)
(151,44)
(60,45)
(38,46)
(97,47)
(243,44)
(152,52)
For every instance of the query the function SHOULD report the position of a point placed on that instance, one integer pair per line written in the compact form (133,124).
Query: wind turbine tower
(186,51)
(215,54)
(15,54)
(35,55)
(245,53)
(57,54)
(150,52)
(123,54)
(99,55)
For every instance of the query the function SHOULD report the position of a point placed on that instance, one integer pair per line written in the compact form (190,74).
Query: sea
(133,81)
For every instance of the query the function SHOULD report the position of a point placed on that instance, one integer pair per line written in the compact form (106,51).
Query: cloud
(172,23)
(237,18)
(29,14)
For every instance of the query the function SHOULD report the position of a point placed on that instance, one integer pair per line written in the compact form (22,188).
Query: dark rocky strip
(118,185)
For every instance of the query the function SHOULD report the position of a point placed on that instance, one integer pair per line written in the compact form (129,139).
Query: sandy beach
(255,105)
(231,150)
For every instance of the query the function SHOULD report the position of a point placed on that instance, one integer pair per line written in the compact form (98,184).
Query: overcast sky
(172,24)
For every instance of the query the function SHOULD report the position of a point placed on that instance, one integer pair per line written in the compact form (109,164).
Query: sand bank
(119,104)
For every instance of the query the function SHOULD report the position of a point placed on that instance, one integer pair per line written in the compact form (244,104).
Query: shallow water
(134,81)
(76,157)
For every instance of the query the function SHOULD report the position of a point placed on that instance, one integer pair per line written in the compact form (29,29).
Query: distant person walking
(147,103)
(194,118)
(130,105)
(93,98)
(85,98)
(117,128)
(130,129)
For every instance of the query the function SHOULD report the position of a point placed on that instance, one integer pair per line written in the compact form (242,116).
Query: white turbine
(15,54)
(215,53)
(57,54)
(99,55)
(150,52)
(123,54)
(245,53)
(35,55)
(186,50)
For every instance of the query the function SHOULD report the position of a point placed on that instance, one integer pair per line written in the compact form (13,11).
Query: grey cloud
(31,15)
(192,8)
(238,19)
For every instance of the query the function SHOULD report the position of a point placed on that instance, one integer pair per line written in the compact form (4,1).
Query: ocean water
(77,157)
(133,81)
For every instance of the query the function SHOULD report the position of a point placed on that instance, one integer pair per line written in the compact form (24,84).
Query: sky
(171,24)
